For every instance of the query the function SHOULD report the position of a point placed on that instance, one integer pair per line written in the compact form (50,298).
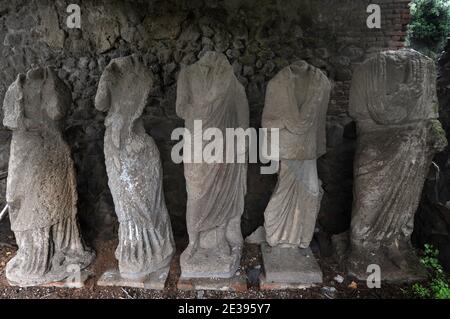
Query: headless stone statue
(209,91)
(296,104)
(41,186)
(393,100)
(134,170)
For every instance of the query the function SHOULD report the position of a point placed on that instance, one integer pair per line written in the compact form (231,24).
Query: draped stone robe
(41,186)
(134,170)
(393,100)
(296,104)
(210,92)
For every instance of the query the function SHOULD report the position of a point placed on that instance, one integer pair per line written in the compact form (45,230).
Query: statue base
(289,268)
(155,280)
(72,281)
(237,283)
(209,263)
(399,266)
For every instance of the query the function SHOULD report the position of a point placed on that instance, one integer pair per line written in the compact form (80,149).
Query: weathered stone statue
(134,170)
(209,91)
(41,185)
(393,100)
(296,104)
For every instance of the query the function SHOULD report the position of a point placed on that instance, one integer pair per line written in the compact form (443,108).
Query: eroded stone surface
(155,280)
(296,104)
(237,283)
(75,280)
(267,285)
(289,267)
(134,170)
(393,100)
(209,91)
(41,186)
(49,29)
(257,237)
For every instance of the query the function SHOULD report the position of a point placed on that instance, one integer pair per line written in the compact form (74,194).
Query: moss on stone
(439,135)
(437,128)
(436,108)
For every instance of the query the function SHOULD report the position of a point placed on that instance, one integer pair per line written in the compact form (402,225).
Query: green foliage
(430,25)
(429,260)
(420,291)
(438,286)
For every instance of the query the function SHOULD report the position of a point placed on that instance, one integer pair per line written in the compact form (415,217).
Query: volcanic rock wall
(259,37)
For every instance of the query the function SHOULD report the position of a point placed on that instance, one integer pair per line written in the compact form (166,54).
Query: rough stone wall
(259,37)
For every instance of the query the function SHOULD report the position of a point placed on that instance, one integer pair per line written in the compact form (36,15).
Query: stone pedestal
(237,283)
(403,266)
(155,280)
(289,268)
(211,263)
(73,281)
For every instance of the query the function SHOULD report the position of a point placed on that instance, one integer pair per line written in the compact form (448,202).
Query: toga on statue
(296,104)
(393,100)
(209,91)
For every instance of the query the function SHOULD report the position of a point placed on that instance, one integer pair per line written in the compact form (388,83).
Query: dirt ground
(251,265)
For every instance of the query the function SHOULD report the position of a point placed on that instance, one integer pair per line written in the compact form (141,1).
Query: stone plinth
(155,280)
(237,283)
(289,268)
